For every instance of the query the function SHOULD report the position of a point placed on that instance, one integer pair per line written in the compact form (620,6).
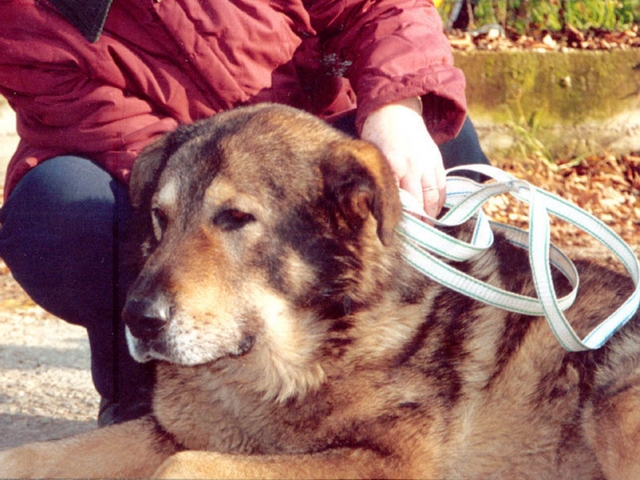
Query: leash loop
(429,249)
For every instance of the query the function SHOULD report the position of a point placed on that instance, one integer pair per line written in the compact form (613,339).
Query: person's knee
(57,236)
(67,188)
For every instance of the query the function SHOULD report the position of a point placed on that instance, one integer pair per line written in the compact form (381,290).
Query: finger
(412,185)
(437,194)
(426,191)
(433,184)
(433,192)
(432,200)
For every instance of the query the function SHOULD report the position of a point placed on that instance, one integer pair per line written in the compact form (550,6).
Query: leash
(426,247)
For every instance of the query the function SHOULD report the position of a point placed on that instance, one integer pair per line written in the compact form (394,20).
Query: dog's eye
(160,221)
(232,219)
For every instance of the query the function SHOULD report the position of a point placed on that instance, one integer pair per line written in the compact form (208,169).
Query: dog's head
(262,225)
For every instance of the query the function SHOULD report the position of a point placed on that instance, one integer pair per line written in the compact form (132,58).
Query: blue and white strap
(425,245)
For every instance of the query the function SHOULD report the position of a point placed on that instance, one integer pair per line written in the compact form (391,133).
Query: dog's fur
(293,341)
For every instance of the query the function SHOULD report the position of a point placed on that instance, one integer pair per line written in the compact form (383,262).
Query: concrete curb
(572,103)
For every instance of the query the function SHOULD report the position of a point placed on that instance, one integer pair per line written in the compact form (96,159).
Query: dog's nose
(146,317)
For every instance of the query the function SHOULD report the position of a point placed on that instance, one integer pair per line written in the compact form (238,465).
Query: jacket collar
(88,16)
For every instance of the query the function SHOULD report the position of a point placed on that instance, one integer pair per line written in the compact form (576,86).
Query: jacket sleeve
(390,50)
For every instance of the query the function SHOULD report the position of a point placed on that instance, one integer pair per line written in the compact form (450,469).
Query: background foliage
(527,16)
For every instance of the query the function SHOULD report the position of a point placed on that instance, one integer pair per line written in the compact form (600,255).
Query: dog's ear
(358,178)
(146,172)
(148,166)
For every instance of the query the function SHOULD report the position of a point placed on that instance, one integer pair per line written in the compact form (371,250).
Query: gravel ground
(45,382)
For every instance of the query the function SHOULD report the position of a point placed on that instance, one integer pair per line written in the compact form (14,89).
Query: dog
(293,341)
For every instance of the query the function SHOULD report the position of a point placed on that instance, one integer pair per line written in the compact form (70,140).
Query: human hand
(398,130)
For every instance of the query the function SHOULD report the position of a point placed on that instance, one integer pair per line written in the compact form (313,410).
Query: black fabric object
(88,16)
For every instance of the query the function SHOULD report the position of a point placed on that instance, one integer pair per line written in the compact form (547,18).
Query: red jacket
(159,63)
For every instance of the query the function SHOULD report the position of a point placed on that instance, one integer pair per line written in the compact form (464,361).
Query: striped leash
(425,243)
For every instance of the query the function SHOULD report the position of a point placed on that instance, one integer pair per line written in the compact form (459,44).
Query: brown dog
(294,341)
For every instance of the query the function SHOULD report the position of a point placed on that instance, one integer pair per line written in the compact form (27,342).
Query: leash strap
(426,246)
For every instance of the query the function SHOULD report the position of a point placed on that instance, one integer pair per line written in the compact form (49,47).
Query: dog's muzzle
(147,317)
(154,333)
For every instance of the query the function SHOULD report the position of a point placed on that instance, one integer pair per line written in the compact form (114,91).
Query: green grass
(529,16)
